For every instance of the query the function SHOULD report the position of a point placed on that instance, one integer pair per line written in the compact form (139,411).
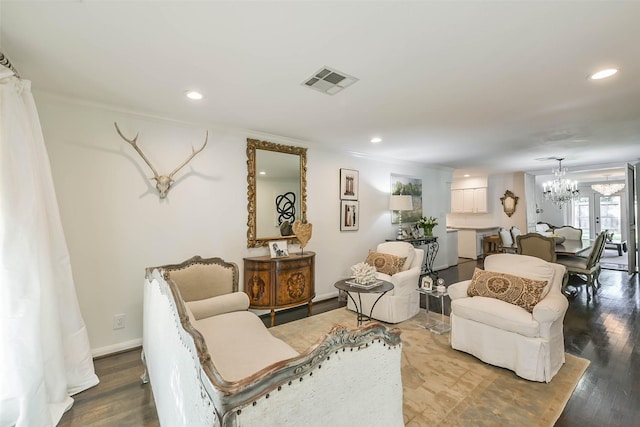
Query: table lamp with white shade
(400,203)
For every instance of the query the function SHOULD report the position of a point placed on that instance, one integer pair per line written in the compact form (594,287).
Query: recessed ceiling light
(376,140)
(603,74)
(466,175)
(262,173)
(192,94)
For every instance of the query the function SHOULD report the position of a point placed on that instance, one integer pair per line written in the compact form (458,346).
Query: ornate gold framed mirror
(509,201)
(276,191)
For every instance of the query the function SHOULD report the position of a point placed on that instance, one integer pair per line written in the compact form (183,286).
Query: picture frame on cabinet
(349,184)
(349,215)
(278,249)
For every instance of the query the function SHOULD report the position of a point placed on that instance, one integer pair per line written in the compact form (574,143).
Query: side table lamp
(400,203)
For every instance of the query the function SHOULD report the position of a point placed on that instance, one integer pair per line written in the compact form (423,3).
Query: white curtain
(45,355)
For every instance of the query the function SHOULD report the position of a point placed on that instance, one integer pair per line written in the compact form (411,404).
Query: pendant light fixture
(561,190)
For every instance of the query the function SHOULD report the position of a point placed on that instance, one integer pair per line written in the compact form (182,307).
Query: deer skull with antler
(163,182)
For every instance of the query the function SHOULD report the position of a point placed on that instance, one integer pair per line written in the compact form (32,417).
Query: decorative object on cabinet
(408,186)
(509,202)
(427,224)
(163,182)
(273,283)
(348,184)
(561,190)
(400,203)
(278,249)
(282,163)
(303,232)
(349,215)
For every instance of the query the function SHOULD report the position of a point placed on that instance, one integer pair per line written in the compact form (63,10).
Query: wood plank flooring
(606,331)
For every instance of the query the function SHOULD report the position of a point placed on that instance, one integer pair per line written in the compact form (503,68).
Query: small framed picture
(278,249)
(348,184)
(349,215)
(415,231)
(427,283)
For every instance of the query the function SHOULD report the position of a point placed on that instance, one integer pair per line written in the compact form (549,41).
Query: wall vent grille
(328,80)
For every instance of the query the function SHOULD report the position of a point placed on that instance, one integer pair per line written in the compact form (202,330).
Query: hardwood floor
(606,331)
(120,399)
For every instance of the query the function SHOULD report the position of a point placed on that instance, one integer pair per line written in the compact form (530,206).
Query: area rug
(445,387)
(611,261)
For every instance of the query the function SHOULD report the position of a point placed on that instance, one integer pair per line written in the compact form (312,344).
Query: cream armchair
(403,302)
(503,334)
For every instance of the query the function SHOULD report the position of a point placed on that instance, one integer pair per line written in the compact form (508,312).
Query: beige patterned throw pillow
(385,263)
(520,291)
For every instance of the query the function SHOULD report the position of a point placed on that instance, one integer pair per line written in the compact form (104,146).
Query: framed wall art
(349,215)
(402,184)
(348,184)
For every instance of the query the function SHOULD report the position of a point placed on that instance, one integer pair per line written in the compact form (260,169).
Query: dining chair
(534,244)
(588,267)
(506,241)
(568,232)
(543,227)
(515,232)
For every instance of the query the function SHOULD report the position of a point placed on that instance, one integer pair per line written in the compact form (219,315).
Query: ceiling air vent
(329,81)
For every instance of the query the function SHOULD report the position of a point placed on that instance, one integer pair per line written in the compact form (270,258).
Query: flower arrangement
(427,224)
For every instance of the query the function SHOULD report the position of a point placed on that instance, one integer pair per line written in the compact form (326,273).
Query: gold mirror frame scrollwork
(509,202)
(253,241)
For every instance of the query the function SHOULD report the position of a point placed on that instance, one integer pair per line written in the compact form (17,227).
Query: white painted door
(632,182)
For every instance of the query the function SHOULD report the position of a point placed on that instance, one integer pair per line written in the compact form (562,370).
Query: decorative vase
(428,231)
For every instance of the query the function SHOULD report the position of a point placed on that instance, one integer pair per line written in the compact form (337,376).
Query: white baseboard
(115,348)
(328,295)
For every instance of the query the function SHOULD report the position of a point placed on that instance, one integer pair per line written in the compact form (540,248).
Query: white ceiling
(477,86)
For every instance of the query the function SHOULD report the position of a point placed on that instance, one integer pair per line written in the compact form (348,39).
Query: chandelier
(561,190)
(607,189)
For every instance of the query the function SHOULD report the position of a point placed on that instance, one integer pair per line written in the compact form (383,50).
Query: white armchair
(503,334)
(403,302)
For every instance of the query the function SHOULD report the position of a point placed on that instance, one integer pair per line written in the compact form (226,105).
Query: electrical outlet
(118,321)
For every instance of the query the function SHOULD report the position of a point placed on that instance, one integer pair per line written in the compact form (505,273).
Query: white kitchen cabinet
(469,200)
(480,200)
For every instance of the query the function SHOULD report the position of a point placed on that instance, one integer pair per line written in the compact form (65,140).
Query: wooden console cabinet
(273,283)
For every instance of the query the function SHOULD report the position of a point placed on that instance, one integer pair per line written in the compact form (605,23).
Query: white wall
(116,225)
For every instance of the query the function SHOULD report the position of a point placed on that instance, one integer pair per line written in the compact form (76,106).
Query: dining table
(573,247)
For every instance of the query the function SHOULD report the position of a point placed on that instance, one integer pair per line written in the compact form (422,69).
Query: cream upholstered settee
(403,301)
(213,363)
(503,334)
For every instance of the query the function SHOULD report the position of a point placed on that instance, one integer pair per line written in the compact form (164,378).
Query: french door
(594,213)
